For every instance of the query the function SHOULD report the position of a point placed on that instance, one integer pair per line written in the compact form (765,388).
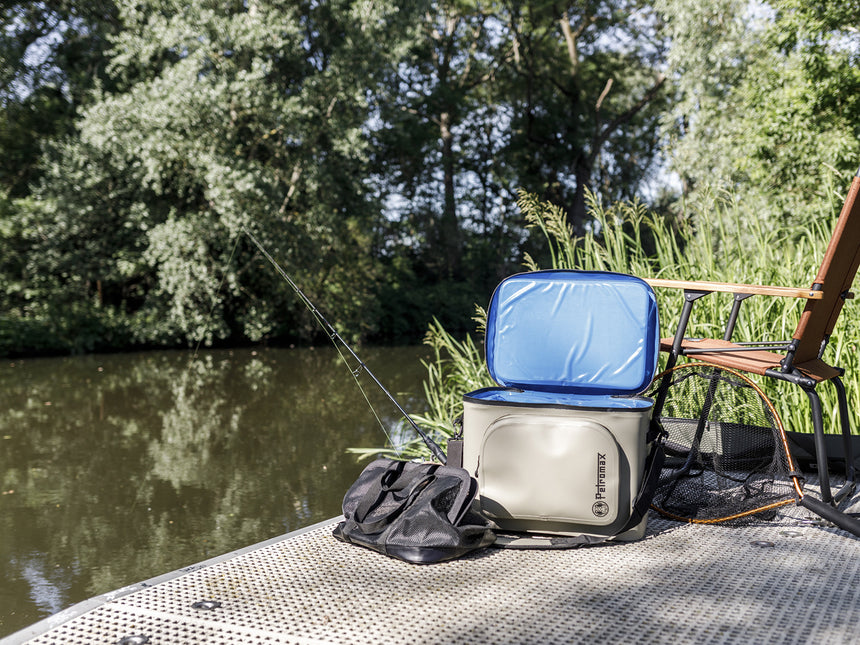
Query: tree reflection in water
(118,468)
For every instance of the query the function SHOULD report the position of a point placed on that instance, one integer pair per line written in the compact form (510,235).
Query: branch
(570,37)
(603,95)
(599,103)
(600,137)
(294,180)
(418,113)
(476,34)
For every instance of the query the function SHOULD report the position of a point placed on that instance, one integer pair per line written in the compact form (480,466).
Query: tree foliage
(375,149)
(769,99)
(51,54)
(226,117)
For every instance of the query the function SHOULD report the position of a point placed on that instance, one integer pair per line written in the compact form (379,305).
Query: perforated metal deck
(783,582)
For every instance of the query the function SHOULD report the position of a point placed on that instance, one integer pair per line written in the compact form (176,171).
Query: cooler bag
(560,446)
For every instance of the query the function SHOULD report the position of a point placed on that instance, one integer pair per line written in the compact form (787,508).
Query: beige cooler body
(557,469)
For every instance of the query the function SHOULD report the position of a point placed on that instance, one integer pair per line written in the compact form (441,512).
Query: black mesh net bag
(727,456)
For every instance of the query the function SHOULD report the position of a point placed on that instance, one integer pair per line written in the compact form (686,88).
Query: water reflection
(118,468)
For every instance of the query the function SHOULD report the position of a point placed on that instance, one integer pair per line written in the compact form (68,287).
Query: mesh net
(727,459)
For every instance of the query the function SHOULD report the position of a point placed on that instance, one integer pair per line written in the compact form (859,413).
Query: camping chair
(798,361)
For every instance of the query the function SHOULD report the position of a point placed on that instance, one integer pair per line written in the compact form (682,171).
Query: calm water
(118,468)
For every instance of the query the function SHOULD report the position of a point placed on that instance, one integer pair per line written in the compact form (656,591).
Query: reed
(719,238)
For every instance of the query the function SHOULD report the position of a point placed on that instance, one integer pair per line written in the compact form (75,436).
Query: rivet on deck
(136,639)
(790,533)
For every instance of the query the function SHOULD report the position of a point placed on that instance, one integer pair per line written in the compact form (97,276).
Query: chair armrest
(726,287)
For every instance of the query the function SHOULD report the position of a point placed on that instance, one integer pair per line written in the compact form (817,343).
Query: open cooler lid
(586,332)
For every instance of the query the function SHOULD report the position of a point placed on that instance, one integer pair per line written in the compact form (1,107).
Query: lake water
(118,468)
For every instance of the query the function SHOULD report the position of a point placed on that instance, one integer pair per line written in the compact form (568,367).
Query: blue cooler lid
(584,332)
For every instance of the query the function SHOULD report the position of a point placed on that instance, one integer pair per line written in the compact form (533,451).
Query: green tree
(51,54)
(769,100)
(586,94)
(431,102)
(493,96)
(375,149)
(226,115)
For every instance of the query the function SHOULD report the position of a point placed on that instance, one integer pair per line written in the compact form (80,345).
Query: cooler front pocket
(551,469)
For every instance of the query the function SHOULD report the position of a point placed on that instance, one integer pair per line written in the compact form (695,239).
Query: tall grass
(719,239)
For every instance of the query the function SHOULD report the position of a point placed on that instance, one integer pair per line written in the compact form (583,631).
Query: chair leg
(820,447)
(826,506)
(848,447)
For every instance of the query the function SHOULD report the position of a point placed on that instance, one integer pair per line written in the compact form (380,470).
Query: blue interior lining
(537,398)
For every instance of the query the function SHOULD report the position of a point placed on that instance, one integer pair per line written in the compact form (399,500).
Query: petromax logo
(600,508)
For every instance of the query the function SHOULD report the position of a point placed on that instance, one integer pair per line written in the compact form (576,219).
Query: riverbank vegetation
(718,242)
(377,150)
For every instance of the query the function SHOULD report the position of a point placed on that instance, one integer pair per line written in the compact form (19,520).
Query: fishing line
(336,338)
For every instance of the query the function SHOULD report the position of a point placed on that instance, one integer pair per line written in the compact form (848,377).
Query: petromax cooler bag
(561,446)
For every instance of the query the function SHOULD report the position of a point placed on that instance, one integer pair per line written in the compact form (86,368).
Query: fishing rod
(335,337)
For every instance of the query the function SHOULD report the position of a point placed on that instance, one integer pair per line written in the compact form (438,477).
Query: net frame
(664,382)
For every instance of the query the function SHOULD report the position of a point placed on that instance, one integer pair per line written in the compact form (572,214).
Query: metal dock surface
(785,581)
